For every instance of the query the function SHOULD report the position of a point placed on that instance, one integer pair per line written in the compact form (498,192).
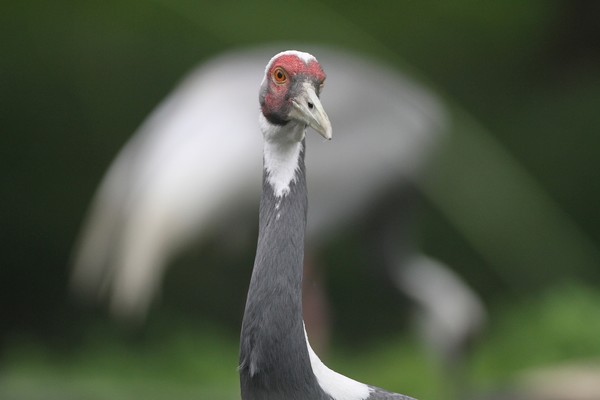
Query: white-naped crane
(191,165)
(276,360)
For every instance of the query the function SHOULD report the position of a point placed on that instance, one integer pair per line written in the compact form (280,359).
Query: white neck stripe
(281,164)
(336,385)
(282,148)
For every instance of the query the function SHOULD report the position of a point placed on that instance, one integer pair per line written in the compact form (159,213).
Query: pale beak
(307,108)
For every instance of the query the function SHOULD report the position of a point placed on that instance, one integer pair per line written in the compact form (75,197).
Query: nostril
(310,105)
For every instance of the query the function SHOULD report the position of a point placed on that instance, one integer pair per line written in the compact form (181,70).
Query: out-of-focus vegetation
(77,78)
(189,360)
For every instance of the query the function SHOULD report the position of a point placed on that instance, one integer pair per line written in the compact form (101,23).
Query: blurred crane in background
(191,167)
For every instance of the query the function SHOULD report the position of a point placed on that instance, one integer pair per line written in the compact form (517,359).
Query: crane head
(290,92)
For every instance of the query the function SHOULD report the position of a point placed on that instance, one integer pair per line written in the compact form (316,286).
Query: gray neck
(274,360)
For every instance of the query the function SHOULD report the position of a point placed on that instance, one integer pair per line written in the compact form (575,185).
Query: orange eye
(279,75)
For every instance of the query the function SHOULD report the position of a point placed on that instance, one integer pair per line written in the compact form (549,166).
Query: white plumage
(193,162)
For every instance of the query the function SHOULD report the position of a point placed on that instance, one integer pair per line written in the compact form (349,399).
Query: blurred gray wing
(196,159)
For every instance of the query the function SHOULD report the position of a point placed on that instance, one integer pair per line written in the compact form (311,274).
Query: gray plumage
(274,359)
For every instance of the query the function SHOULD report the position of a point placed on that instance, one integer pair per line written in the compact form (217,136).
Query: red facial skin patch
(278,92)
(293,65)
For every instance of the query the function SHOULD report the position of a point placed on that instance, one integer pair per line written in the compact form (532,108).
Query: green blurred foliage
(190,360)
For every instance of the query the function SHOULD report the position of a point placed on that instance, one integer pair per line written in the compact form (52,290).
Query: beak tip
(326,130)
(327,134)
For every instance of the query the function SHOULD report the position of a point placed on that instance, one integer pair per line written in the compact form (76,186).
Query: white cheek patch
(336,385)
